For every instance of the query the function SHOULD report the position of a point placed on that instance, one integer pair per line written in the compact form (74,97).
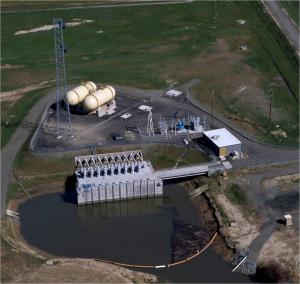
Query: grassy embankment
(285,63)
(13,113)
(11,261)
(238,196)
(292,8)
(37,171)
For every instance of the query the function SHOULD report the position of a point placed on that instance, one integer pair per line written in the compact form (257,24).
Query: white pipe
(239,263)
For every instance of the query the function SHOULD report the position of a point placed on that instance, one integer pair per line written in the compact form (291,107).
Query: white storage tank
(77,95)
(99,98)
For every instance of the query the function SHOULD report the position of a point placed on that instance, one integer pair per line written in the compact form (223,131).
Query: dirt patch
(50,27)
(16,94)
(83,271)
(165,48)
(236,84)
(244,231)
(280,180)
(9,66)
(286,242)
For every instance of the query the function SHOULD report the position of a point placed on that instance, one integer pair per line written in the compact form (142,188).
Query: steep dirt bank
(248,208)
(210,216)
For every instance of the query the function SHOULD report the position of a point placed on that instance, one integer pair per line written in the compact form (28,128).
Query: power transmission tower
(63,121)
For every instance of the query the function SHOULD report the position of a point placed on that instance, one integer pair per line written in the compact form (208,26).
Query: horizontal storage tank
(99,98)
(77,95)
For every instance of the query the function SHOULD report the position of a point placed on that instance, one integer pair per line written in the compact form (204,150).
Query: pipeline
(163,265)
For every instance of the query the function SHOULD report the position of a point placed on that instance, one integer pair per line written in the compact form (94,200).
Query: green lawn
(145,46)
(131,50)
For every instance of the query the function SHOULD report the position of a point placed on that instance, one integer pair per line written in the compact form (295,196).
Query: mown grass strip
(13,113)
(274,43)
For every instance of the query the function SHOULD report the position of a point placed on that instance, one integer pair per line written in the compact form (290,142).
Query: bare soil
(234,82)
(17,93)
(83,271)
(283,246)
(281,180)
(9,66)
(218,67)
(50,27)
(271,193)
(245,231)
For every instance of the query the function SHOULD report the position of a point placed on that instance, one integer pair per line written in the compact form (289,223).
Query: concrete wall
(112,192)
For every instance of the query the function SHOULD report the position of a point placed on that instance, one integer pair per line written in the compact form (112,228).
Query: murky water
(136,231)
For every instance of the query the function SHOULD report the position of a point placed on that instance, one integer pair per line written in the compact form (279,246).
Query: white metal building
(222,142)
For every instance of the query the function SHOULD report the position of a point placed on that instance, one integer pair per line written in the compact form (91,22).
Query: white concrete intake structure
(125,175)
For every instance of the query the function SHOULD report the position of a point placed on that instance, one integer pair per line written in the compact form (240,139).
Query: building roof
(222,137)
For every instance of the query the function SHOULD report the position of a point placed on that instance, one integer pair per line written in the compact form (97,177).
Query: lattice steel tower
(63,121)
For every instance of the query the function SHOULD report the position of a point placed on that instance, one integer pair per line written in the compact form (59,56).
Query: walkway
(188,171)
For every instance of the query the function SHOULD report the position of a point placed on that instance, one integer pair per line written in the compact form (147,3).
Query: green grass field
(145,46)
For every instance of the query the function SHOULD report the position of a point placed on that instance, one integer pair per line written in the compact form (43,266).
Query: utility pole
(270,109)
(212,109)
(215,10)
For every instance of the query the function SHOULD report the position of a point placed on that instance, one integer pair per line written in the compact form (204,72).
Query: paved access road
(9,152)
(285,23)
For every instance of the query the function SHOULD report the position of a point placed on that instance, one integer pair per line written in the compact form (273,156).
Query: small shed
(173,93)
(222,142)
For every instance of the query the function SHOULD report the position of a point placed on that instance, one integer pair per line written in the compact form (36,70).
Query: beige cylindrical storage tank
(77,95)
(91,86)
(99,98)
